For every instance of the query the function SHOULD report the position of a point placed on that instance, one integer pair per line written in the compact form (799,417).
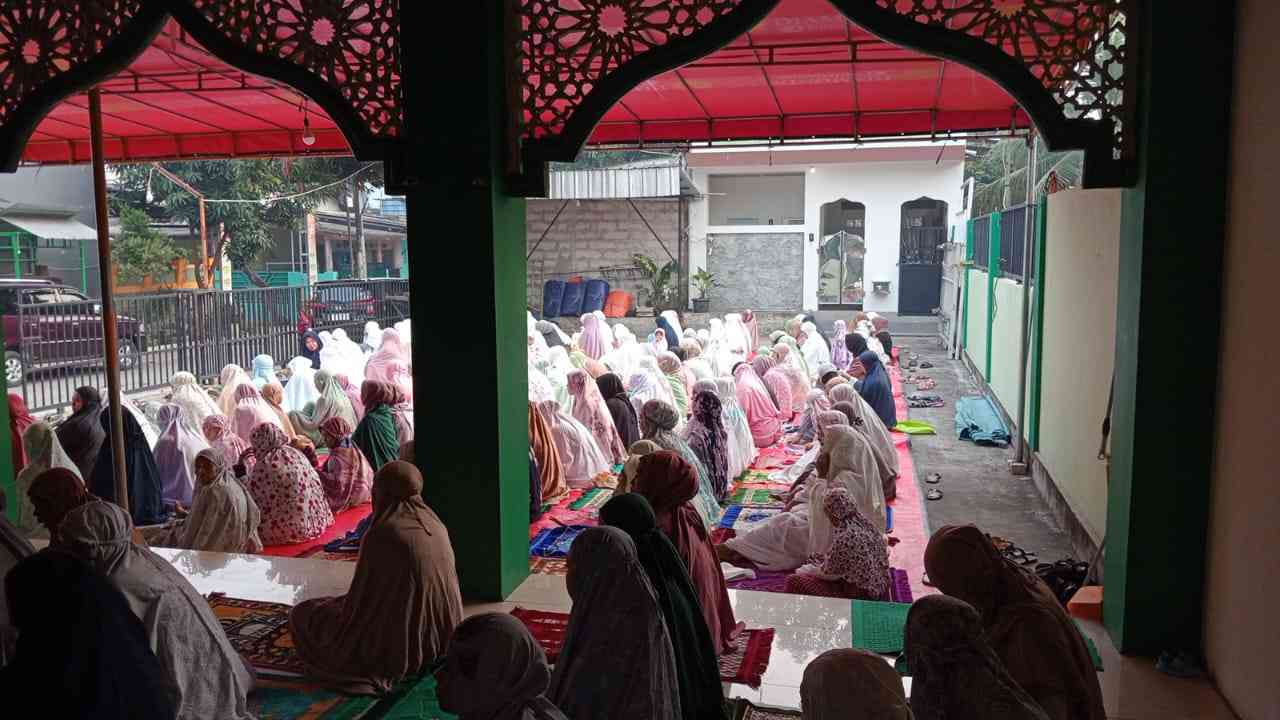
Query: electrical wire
(292,196)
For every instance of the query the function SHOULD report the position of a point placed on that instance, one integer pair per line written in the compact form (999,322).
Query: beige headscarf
(848,683)
(403,603)
(852,465)
(224,516)
(638,449)
(209,678)
(496,671)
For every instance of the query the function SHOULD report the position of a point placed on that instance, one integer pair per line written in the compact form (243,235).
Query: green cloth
(413,700)
(915,427)
(698,670)
(878,626)
(377,438)
(679,393)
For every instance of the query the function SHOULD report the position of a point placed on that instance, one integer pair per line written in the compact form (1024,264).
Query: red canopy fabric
(178,101)
(807,72)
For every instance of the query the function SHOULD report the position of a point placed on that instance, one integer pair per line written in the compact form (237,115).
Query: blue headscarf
(673,339)
(876,390)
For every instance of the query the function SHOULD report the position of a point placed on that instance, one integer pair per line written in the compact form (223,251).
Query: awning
(807,72)
(177,101)
(47,223)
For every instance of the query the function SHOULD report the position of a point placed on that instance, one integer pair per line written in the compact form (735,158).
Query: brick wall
(591,234)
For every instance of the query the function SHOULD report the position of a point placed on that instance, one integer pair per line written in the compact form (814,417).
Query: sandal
(926,365)
(933,478)
(933,494)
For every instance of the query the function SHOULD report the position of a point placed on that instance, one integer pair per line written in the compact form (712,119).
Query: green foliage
(597,159)
(704,281)
(141,250)
(662,289)
(1000,173)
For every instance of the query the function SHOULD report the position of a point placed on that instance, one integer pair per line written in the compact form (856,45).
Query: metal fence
(981,241)
(1013,225)
(60,345)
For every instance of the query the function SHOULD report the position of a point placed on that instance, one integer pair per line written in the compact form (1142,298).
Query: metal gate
(923,246)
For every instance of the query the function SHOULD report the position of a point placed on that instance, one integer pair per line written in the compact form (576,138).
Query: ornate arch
(1069,63)
(342,54)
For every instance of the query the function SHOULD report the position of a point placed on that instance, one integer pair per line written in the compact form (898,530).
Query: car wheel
(128,355)
(13,370)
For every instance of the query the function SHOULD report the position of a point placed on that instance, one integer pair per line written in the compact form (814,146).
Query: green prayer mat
(915,427)
(301,699)
(878,626)
(593,498)
(753,496)
(1093,648)
(415,700)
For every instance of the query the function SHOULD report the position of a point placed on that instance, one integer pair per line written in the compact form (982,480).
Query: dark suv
(60,327)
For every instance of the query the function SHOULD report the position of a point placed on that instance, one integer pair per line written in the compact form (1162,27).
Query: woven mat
(592,499)
(319,553)
(878,626)
(548,566)
(554,542)
(259,631)
(746,662)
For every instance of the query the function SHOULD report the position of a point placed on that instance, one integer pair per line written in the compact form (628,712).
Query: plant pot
(701,305)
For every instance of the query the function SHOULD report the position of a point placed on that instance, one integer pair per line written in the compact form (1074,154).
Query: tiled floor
(806,627)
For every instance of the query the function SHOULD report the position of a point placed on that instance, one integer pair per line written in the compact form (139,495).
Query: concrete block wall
(591,234)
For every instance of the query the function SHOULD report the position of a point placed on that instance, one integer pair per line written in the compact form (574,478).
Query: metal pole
(1022,461)
(203,272)
(111,342)
(84,270)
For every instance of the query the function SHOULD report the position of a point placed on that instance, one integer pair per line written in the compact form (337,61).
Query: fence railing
(60,346)
(1012,223)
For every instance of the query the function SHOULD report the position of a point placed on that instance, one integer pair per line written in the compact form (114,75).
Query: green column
(84,271)
(964,307)
(1167,331)
(1037,325)
(993,272)
(468,301)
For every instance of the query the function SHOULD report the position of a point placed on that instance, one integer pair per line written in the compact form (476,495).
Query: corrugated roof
(617,183)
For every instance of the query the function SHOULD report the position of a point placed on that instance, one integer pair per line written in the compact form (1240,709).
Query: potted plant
(661,291)
(704,281)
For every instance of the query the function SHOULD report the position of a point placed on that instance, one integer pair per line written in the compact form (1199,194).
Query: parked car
(338,303)
(59,327)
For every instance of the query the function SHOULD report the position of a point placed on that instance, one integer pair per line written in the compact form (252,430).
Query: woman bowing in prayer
(955,674)
(210,679)
(99,667)
(345,475)
(44,452)
(855,566)
(175,455)
(658,423)
(625,419)
(403,604)
(876,389)
(848,683)
(551,479)
(796,375)
(231,377)
(287,490)
(580,456)
(146,501)
(589,408)
(81,434)
(274,395)
(762,414)
(697,671)
(391,363)
(708,439)
(378,435)
(865,420)
(670,484)
(251,411)
(495,671)
(224,516)
(617,660)
(1021,619)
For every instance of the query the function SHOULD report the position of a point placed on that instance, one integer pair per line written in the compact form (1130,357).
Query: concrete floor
(976,483)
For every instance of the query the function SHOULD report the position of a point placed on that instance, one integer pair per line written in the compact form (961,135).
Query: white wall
(1081,270)
(880,178)
(1242,629)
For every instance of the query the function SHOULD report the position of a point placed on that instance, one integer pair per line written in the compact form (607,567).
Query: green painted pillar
(1167,331)
(468,299)
(1037,325)
(993,272)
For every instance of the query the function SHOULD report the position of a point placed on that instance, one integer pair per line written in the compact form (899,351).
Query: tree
(1000,172)
(141,250)
(261,190)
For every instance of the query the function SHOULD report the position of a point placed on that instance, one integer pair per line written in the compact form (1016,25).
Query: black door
(924,237)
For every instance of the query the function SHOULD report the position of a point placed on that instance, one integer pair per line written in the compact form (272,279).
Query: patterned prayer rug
(746,662)
(592,499)
(755,496)
(548,566)
(319,553)
(555,542)
(260,632)
(548,628)
(297,698)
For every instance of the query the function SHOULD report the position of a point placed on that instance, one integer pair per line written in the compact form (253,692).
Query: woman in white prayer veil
(354,357)
(405,328)
(231,377)
(815,351)
(372,336)
(557,370)
(44,452)
(737,341)
(579,453)
(301,388)
(540,389)
(195,403)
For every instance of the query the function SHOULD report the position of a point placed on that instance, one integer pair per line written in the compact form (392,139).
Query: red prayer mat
(548,566)
(319,553)
(259,631)
(343,523)
(744,664)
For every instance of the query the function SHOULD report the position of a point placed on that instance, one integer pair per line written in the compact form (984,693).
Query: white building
(772,221)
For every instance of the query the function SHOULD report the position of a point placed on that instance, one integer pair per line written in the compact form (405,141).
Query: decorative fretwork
(1074,48)
(41,41)
(568,46)
(351,45)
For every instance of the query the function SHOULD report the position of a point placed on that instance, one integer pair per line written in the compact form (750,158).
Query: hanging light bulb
(308,137)
(150,196)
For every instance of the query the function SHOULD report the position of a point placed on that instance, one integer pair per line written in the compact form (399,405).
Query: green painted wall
(1169,313)
(993,272)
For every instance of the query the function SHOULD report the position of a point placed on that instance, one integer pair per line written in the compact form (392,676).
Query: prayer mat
(750,517)
(746,710)
(759,497)
(746,662)
(764,581)
(319,553)
(754,477)
(259,631)
(730,516)
(548,566)
(343,523)
(878,626)
(719,535)
(287,699)
(548,628)
(555,542)
(899,586)
(592,499)
(411,700)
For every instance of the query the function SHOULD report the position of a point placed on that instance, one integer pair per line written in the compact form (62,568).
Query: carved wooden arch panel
(1069,63)
(342,54)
